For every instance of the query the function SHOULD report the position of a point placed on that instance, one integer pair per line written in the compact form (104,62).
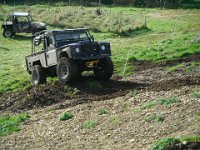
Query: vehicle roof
(49,32)
(20,14)
(66,30)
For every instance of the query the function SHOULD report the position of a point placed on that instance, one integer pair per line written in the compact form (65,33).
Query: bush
(66,116)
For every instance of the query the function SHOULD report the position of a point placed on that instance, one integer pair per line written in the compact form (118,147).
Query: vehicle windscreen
(70,37)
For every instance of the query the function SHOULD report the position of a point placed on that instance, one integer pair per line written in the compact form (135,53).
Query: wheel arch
(37,62)
(64,54)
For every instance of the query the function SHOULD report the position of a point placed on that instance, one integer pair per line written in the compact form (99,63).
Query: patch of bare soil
(48,94)
(123,127)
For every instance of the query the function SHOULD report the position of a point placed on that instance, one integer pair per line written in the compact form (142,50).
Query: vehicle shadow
(22,37)
(86,90)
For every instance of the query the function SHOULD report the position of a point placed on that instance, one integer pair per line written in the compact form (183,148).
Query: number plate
(91,64)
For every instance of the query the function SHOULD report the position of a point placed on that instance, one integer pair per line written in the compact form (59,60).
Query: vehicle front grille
(91,49)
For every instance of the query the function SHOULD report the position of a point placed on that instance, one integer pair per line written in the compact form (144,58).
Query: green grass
(154,118)
(132,93)
(163,144)
(189,68)
(196,94)
(170,35)
(66,116)
(93,85)
(103,111)
(9,124)
(115,120)
(162,101)
(89,124)
(198,113)
(190,138)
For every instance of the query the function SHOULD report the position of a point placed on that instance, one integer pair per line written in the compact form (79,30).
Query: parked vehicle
(19,22)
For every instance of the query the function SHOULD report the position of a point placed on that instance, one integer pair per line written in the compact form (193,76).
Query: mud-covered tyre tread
(73,70)
(41,75)
(108,68)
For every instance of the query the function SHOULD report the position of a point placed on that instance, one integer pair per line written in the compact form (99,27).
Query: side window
(50,43)
(22,19)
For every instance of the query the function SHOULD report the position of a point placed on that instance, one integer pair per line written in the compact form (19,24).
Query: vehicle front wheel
(105,69)
(67,70)
(8,33)
(38,75)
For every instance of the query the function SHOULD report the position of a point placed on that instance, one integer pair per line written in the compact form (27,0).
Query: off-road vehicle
(66,54)
(21,22)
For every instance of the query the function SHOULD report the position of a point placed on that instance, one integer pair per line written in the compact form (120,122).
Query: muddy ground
(129,130)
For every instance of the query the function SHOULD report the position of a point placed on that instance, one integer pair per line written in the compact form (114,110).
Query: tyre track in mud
(148,76)
(48,94)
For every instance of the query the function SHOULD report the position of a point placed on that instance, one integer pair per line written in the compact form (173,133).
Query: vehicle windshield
(71,37)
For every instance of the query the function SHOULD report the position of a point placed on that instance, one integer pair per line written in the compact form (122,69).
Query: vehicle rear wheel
(38,75)
(105,69)
(8,33)
(67,70)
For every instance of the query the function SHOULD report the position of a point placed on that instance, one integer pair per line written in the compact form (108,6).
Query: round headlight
(77,49)
(103,47)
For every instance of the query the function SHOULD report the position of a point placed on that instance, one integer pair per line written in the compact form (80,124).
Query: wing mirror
(37,41)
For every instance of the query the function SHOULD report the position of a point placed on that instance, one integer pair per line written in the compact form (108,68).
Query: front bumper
(92,57)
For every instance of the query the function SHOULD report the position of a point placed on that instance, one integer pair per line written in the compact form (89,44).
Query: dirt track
(45,131)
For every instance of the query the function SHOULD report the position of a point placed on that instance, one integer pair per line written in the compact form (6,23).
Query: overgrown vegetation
(9,124)
(137,3)
(66,116)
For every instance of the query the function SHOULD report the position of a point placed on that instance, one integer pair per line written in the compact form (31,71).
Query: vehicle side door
(51,53)
(22,23)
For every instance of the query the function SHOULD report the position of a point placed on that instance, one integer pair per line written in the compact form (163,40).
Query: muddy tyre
(38,75)
(105,69)
(67,70)
(8,33)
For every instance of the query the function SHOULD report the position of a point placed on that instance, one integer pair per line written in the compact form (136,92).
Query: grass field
(170,34)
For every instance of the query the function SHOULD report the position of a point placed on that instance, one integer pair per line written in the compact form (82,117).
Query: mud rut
(149,76)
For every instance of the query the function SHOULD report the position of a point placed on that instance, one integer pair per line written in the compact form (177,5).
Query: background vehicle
(67,53)
(21,22)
